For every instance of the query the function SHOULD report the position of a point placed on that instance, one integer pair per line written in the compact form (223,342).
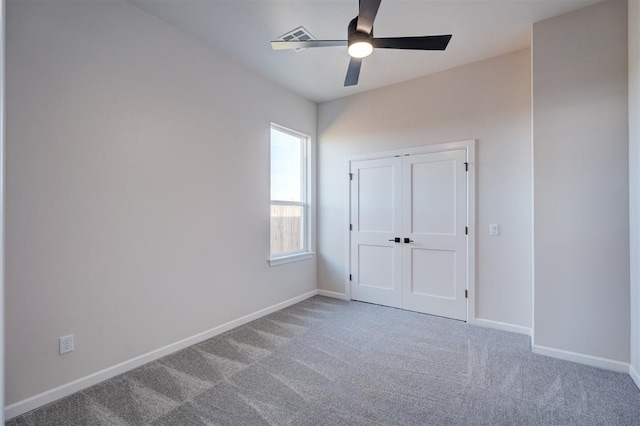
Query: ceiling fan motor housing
(355,36)
(360,43)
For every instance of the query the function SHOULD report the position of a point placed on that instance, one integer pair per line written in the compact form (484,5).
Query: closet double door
(408,238)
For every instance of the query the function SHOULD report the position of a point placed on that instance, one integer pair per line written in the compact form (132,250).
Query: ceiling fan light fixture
(360,44)
(360,49)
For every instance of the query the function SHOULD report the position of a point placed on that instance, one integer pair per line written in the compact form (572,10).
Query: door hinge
(350,277)
(466,294)
(350,176)
(466,167)
(350,227)
(466,230)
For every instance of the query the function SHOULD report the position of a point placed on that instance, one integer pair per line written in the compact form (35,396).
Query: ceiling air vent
(299,34)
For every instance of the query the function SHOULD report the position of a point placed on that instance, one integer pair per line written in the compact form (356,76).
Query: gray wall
(581,182)
(634,179)
(489,101)
(137,189)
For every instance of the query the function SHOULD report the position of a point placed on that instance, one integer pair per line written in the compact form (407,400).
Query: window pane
(287,225)
(286,167)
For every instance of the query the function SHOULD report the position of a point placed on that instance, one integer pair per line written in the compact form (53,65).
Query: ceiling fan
(360,42)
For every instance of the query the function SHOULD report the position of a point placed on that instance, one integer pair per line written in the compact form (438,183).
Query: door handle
(407,240)
(395,240)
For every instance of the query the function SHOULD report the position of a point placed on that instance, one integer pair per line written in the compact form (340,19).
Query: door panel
(434,218)
(375,219)
(373,266)
(436,182)
(432,271)
(375,192)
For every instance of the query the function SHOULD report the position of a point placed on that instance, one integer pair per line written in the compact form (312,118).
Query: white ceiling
(244,28)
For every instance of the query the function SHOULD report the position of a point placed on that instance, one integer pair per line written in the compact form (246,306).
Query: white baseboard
(593,361)
(501,326)
(333,294)
(51,395)
(634,375)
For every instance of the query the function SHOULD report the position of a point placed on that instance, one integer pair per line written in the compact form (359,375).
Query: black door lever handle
(395,240)
(407,240)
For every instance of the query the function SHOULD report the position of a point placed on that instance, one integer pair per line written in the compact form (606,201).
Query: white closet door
(434,214)
(376,221)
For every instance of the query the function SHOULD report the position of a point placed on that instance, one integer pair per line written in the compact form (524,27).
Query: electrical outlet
(66,344)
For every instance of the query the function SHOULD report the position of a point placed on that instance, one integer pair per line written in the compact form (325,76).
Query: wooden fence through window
(286,228)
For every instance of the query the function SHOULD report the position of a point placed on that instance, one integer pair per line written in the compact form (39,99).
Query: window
(289,195)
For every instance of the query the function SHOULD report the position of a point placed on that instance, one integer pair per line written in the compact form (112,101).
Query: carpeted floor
(329,362)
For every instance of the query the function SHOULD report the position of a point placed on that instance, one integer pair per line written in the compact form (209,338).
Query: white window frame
(305,252)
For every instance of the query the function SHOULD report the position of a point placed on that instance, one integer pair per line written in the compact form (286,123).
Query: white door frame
(470,148)
(3,11)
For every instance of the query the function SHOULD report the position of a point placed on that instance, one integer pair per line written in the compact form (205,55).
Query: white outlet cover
(66,344)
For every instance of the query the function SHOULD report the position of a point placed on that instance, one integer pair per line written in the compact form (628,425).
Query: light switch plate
(494,229)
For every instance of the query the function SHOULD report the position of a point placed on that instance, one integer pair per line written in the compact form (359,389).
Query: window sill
(291,258)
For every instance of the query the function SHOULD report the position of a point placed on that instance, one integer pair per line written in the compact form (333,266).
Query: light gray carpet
(329,362)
